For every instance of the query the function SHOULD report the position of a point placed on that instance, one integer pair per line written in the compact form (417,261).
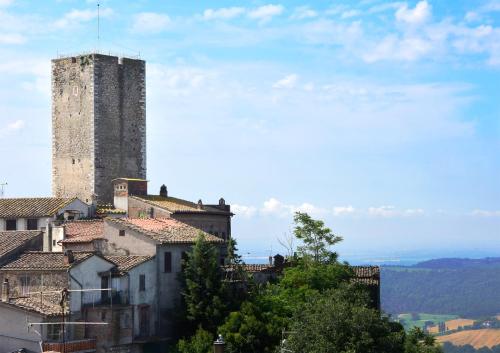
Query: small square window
(121,232)
(11,224)
(32,224)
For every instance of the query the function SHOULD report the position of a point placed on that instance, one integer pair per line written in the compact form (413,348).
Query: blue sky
(382,118)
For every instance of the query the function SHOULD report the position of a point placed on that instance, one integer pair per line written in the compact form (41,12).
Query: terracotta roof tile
(109,209)
(83,231)
(175,205)
(164,230)
(125,263)
(47,305)
(32,207)
(44,261)
(11,240)
(368,275)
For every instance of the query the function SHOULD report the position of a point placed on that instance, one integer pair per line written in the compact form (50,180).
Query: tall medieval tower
(98,124)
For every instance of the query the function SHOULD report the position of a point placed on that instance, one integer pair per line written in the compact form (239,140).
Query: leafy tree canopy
(316,237)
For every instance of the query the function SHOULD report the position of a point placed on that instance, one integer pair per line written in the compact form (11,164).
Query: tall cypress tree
(203,289)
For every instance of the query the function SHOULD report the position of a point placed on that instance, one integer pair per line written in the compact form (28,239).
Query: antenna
(98,26)
(2,188)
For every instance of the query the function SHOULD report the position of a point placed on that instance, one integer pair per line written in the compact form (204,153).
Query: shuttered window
(168,262)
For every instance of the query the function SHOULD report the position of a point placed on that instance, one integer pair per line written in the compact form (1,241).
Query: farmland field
(476,338)
(455,324)
(408,321)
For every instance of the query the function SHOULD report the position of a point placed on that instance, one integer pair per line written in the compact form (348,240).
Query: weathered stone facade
(98,124)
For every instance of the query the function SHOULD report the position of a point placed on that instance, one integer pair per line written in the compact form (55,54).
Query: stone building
(132,196)
(167,241)
(35,213)
(98,124)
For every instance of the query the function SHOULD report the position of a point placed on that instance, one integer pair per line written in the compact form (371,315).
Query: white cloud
(4,3)
(244,211)
(12,127)
(151,22)
(485,213)
(303,12)
(16,125)
(13,38)
(275,207)
(420,14)
(391,211)
(75,17)
(309,209)
(343,210)
(400,49)
(350,13)
(225,13)
(288,81)
(266,13)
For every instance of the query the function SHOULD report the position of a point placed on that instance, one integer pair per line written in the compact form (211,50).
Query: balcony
(81,346)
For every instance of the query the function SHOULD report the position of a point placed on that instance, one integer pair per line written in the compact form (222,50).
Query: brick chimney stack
(5,291)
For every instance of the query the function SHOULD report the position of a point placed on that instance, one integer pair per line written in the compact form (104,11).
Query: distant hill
(465,287)
(456,263)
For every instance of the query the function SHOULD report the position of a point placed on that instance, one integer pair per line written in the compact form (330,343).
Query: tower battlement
(98,124)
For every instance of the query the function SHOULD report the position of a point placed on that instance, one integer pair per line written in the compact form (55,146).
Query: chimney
(5,291)
(47,237)
(163,191)
(69,258)
(219,345)
(222,202)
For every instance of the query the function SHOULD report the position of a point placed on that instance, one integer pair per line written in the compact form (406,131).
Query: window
(72,161)
(168,262)
(32,224)
(53,242)
(25,284)
(142,283)
(121,232)
(53,332)
(11,224)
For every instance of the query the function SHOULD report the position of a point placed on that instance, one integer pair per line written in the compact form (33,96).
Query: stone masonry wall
(72,127)
(99,124)
(120,122)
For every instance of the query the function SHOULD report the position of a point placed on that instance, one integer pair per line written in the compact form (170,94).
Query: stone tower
(98,124)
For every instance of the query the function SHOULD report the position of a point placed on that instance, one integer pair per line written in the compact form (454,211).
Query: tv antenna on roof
(98,25)
(2,189)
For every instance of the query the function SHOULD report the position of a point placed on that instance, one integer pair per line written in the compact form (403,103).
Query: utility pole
(2,189)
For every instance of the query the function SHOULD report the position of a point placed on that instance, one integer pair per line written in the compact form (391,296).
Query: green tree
(202,287)
(201,342)
(316,237)
(340,321)
(417,341)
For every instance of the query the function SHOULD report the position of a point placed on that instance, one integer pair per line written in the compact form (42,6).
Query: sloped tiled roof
(125,263)
(32,207)
(84,231)
(47,305)
(12,239)
(261,268)
(368,275)
(175,205)
(164,230)
(44,261)
(103,210)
